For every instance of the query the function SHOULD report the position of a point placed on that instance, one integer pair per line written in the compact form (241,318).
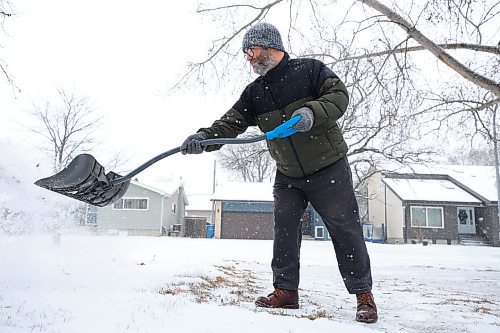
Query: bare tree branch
(6,11)
(439,52)
(252,163)
(449,46)
(67,128)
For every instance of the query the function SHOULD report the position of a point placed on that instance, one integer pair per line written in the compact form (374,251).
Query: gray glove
(307,120)
(192,144)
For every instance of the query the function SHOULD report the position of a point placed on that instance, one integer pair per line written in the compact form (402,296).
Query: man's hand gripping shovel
(85,179)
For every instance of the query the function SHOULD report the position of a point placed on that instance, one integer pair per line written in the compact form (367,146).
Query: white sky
(124,56)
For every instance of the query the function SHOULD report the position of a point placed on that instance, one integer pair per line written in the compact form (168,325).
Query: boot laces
(365,298)
(276,293)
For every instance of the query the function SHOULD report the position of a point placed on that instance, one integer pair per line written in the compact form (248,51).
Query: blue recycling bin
(210,230)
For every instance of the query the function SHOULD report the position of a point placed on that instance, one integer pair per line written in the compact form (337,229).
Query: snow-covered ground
(55,277)
(77,282)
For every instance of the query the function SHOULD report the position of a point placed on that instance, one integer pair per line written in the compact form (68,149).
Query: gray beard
(262,67)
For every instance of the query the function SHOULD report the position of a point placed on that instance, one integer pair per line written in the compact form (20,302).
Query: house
(143,210)
(200,206)
(245,211)
(198,222)
(441,204)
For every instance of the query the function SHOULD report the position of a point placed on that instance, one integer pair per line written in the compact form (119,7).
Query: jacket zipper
(297,157)
(288,138)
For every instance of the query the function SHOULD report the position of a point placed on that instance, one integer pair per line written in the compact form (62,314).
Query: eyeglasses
(249,51)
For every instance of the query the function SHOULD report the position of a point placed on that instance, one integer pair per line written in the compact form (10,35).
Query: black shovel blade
(84,179)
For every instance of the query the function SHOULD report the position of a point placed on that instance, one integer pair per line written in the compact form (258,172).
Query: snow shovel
(84,178)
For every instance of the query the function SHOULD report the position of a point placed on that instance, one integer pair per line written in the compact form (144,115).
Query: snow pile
(24,207)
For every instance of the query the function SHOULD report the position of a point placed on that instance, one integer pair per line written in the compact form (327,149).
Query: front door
(466,220)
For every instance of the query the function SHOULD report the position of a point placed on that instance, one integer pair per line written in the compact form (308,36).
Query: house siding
(169,218)
(385,209)
(449,232)
(146,220)
(376,200)
(394,220)
(218,219)
(495,227)
(247,220)
(489,226)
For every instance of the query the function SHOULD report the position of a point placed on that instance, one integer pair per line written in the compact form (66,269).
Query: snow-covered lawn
(84,283)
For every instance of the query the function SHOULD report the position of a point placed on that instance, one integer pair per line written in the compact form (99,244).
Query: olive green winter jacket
(271,99)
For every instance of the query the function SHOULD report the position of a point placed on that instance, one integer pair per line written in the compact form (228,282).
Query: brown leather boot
(280,298)
(367,310)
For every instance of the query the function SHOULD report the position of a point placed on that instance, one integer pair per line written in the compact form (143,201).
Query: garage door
(247,225)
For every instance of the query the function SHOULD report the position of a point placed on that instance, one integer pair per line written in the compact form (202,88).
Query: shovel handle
(281,131)
(208,142)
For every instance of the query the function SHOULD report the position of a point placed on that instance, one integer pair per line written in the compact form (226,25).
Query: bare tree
(401,108)
(460,14)
(67,127)
(252,163)
(482,155)
(6,11)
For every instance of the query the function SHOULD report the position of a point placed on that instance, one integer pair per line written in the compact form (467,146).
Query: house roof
(439,190)
(479,180)
(172,188)
(150,188)
(238,191)
(199,202)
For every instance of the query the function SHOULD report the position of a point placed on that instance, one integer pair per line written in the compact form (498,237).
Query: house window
(427,217)
(91,218)
(319,232)
(174,209)
(131,204)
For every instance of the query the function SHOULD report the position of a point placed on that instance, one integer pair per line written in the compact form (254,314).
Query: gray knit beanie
(265,35)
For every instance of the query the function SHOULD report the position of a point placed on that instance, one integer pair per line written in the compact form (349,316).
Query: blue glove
(192,144)
(307,120)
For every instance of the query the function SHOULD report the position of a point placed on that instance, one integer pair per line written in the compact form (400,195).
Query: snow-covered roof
(480,179)
(244,191)
(199,202)
(439,190)
(154,189)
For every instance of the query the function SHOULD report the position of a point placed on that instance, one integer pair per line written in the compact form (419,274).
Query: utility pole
(214,177)
(497,172)
(213,192)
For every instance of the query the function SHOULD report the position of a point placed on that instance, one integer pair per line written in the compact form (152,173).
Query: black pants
(330,192)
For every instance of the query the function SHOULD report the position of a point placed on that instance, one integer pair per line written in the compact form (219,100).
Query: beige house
(438,204)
